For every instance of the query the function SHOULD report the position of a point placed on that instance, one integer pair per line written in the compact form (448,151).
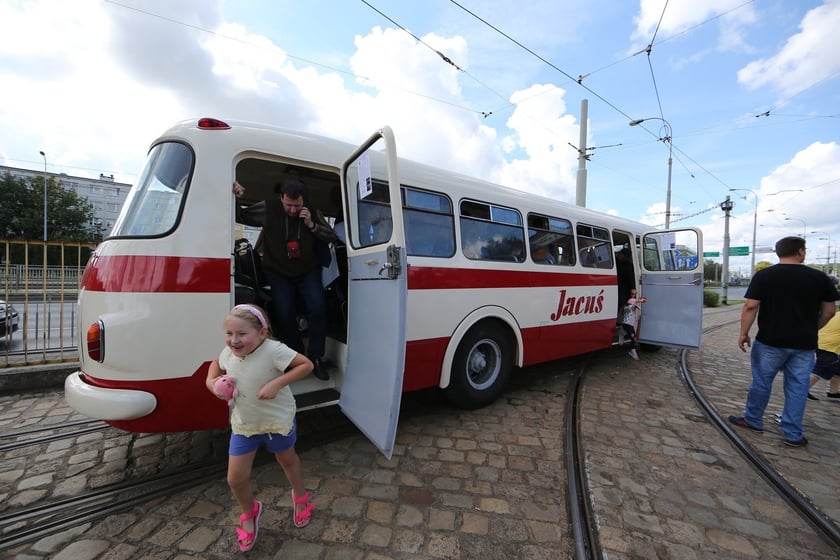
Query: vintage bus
(445,281)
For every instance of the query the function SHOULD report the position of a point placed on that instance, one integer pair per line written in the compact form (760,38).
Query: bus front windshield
(154,203)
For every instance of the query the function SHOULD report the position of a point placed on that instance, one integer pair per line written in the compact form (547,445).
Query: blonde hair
(253,315)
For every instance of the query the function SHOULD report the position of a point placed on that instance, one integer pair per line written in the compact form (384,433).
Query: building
(105,194)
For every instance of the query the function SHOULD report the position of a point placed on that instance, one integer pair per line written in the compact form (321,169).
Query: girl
(263,412)
(630,322)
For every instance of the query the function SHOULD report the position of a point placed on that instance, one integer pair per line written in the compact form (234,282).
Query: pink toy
(225,387)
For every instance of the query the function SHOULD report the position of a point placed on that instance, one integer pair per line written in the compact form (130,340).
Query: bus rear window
(154,203)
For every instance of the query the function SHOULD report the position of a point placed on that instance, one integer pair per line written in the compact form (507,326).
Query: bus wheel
(481,368)
(649,347)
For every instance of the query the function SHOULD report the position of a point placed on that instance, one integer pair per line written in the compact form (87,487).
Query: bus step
(317,399)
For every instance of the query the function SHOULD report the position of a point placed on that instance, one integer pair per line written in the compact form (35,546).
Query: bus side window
(491,233)
(429,224)
(551,240)
(595,247)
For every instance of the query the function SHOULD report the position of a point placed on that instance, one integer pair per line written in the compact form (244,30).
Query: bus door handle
(695,282)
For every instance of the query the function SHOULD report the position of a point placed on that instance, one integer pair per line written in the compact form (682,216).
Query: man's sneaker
(739,421)
(318,371)
(797,443)
(833,395)
(811,397)
(633,354)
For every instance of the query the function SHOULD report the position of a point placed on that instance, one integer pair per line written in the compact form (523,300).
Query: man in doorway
(291,232)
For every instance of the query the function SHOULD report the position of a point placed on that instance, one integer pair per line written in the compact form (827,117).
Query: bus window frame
(569,253)
(408,209)
(487,218)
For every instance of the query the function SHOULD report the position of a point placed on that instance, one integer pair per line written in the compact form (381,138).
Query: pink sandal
(302,519)
(247,539)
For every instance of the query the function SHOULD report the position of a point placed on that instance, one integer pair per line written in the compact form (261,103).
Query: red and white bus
(446,281)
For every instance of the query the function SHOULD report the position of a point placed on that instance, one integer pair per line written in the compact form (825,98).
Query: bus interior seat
(248,273)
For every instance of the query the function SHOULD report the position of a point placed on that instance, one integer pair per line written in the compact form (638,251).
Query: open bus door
(377,290)
(672,282)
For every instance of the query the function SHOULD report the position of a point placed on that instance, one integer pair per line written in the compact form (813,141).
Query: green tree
(712,270)
(762,265)
(69,216)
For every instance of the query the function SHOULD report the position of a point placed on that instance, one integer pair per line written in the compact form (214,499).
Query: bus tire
(481,367)
(649,347)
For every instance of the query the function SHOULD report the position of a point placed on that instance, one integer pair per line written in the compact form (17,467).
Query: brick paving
(486,484)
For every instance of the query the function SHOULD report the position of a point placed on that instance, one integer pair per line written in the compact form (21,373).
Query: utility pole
(580,194)
(726,206)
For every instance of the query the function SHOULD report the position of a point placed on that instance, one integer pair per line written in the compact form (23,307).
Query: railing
(41,281)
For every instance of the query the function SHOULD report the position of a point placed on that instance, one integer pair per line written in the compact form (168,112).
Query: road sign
(711,254)
(739,251)
(688,262)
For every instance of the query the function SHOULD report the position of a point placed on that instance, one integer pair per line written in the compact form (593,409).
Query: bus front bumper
(106,404)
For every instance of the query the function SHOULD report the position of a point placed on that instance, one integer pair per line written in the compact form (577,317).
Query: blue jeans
(284,293)
(796,366)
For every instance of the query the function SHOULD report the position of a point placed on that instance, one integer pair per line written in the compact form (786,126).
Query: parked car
(9,318)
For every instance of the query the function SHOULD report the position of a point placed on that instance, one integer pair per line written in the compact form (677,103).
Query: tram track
(81,427)
(822,525)
(581,515)
(580,505)
(32,523)
(27,524)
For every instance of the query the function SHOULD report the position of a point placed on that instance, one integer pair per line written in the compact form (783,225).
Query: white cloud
(673,17)
(807,58)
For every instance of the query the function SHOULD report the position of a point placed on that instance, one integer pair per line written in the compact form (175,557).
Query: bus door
(672,283)
(377,289)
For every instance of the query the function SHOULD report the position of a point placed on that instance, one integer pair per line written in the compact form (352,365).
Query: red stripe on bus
(424,358)
(152,274)
(445,278)
(183,404)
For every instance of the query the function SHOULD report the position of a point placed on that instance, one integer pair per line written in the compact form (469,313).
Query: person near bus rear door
(292,267)
(827,365)
(792,302)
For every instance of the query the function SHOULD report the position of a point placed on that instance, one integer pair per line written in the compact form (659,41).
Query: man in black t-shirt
(792,302)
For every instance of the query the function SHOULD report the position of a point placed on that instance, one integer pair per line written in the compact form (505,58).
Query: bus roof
(330,153)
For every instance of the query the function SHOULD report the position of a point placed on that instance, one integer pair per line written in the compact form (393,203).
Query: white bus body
(445,280)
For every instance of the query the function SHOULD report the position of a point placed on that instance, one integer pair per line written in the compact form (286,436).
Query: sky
(747,91)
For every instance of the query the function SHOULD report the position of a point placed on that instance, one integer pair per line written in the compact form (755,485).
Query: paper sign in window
(365,180)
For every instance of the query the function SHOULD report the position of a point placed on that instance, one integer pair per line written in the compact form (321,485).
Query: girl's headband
(253,311)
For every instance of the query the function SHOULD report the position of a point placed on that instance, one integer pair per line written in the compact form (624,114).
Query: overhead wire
(579,80)
(289,55)
(590,90)
(443,57)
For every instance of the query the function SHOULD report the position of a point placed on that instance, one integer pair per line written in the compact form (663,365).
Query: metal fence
(41,281)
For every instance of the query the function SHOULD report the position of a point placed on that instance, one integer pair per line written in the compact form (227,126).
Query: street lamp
(828,251)
(804,227)
(755,226)
(667,139)
(45,194)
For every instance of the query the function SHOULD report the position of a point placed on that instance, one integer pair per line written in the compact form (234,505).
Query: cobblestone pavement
(486,484)
(665,482)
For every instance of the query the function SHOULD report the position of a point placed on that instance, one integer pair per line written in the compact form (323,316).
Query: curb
(35,378)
